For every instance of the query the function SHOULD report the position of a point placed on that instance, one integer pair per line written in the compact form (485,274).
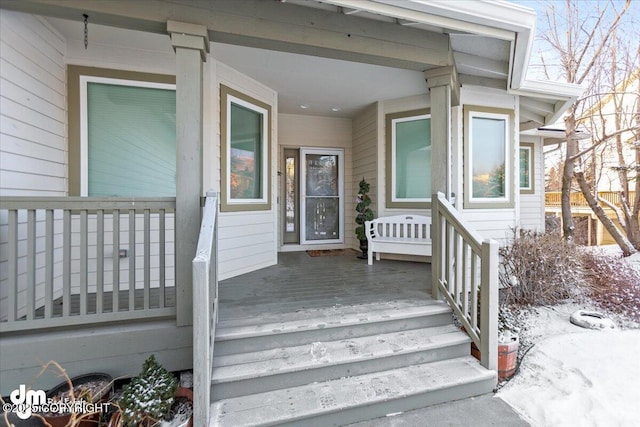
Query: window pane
(322,218)
(131,141)
(524,168)
(246,153)
(322,175)
(488,153)
(413,159)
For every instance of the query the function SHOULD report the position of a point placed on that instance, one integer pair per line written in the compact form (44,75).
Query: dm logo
(25,400)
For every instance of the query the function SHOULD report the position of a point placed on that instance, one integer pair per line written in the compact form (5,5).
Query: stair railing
(205,309)
(465,273)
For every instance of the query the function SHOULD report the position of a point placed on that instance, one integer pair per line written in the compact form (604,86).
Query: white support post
(443,86)
(489,305)
(191,44)
(436,252)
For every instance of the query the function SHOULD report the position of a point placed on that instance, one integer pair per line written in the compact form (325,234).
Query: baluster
(48,282)
(147,257)
(161,264)
(116,261)
(12,311)
(31,264)
(132,259)
(99,261)
(84,256)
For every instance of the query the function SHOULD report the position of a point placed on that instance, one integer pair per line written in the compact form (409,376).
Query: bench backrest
(402,226)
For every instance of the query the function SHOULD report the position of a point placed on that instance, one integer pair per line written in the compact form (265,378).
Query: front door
(321,196)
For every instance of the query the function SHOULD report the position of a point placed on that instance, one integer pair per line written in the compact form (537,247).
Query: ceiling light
(305,106)
(336,109)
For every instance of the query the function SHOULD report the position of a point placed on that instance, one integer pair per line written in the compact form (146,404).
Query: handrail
(85,260)
(205,309)
(464,266)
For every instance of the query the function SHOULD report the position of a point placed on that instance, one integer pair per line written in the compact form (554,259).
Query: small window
(526,169)
(408,179)
(122,133)
(245,130)
(488,158)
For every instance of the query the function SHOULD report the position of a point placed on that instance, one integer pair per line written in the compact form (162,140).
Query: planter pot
(184,396)
(364,247)
(100,387)
(507,357)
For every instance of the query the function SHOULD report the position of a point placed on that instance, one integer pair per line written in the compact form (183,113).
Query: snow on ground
(574,376)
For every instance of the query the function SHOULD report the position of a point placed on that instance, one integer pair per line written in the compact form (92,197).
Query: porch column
(445,92)
(191,44)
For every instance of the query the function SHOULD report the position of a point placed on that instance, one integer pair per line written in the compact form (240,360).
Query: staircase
(341,365)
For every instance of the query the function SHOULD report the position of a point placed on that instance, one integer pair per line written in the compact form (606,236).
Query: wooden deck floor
(300,282)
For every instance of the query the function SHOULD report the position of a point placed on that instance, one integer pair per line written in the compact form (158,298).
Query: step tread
(319,354)
(329,318)
(317,399)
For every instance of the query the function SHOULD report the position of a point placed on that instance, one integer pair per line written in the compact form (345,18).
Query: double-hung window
(488,158)
(122,128)
(245,131)
(408,181)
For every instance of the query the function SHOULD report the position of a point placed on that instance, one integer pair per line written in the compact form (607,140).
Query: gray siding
(532,205)
(365,153)
(32,107)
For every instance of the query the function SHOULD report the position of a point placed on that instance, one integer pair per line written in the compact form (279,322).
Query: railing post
(436,242)
(489,305)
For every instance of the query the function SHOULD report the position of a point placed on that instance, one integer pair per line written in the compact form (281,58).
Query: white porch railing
(205,309)
(466,273)
(80,260)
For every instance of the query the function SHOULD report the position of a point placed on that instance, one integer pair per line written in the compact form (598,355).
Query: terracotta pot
(507,357)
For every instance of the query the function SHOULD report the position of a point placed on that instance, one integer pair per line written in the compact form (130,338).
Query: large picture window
(245,124)
(409,159)
(488,153)
(122,133)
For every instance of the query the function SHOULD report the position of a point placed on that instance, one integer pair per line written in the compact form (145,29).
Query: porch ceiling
(320,53)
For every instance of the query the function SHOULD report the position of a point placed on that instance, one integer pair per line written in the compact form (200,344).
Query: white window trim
(84,128)
(394,198)
(303,212)
(507,156)
(265,154)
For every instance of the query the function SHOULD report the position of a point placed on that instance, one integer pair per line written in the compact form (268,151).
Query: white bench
(400,234)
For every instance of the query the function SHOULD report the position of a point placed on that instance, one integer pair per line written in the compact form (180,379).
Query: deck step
(328,325)
(266,370)
(358,398)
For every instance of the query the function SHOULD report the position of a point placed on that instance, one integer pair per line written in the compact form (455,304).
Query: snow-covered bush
(539,268)
(148,397)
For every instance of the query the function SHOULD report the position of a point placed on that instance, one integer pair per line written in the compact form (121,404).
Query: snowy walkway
(577,377)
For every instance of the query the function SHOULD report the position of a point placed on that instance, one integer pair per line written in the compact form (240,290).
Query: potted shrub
(363,201)
(153,398)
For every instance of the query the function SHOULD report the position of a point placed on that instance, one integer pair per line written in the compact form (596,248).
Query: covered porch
(301,282)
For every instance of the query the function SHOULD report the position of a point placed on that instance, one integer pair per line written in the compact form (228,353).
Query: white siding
(32,107)
(247,241)
(33,149)
(324,132)
(365,155)
(532,205)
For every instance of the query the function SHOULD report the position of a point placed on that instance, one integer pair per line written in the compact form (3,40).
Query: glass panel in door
(322,202)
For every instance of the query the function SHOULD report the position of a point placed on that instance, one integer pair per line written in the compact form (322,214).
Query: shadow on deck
(300,281)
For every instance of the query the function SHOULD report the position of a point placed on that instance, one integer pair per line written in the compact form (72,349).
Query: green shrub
(148,397)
